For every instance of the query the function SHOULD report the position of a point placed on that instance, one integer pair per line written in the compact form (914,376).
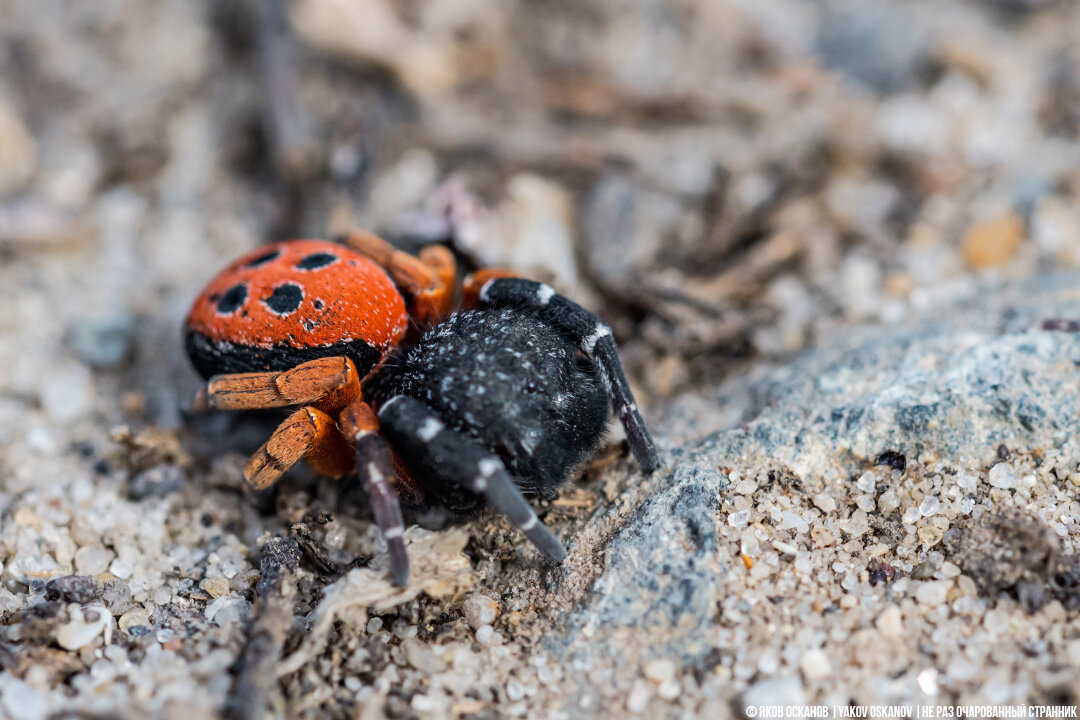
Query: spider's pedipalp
(415,432)
(592,337)
(308,432)
(305,383)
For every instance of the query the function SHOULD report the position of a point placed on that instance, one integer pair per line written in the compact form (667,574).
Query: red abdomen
(290,302)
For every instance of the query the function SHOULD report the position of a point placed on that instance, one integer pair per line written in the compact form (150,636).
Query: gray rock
(862,41)
(73,589)
(157,481)
(945,396)
(103,342)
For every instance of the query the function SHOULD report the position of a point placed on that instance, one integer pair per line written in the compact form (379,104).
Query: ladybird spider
(499,400)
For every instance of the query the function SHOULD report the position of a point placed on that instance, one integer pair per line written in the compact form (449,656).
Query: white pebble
(825,502)
(669,689)
(966,481)
(83,628)
(929,506)
(746,487)
(484,634)
(815,664)
(480,610)
(739,519)
(421,657)
(1002,476)
(93,559)
(932,593)
(21,700)
(659,670)
(121,569)
(793,521)
(226,610)
(866,482)
(640,692)
(890,623)
(514,690)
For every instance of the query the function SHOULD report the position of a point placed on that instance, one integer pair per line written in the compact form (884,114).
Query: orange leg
(307,433)
(303,384)
(427,280)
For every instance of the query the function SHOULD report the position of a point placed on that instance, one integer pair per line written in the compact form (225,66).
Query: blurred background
(720,179)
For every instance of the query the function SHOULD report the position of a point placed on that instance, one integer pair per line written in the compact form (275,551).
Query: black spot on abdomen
(233,299)
(264,258)
(285,299)
(316,261)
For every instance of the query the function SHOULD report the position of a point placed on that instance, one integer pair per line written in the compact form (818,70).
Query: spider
(499,400)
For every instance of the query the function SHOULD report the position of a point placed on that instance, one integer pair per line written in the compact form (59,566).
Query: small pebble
(484,634)
(659,671)
(1002,476)
(992,243)
(217,587)
(669,689)
(815,665)
(480,610)
(83,627)
(421,657)
(640,692)
(72,589)
(739,519)
(866,482)
(121,569)
(924,571)
(514,690)
(93,559)
(932,593)
(825,502)
(21,700)
(793,521)
(890,623)
(134,618)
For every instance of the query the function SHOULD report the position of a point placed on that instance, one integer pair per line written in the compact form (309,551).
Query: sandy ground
(746,192)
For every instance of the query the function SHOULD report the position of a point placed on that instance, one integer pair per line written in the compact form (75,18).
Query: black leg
(417,433)
(375,470)
(593,338)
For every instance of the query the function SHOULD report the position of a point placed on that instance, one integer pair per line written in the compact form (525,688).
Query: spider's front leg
(416,432)
(428,280)
(375,470)
(585,330)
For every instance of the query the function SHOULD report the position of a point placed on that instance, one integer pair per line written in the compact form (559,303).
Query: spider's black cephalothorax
(510,382)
